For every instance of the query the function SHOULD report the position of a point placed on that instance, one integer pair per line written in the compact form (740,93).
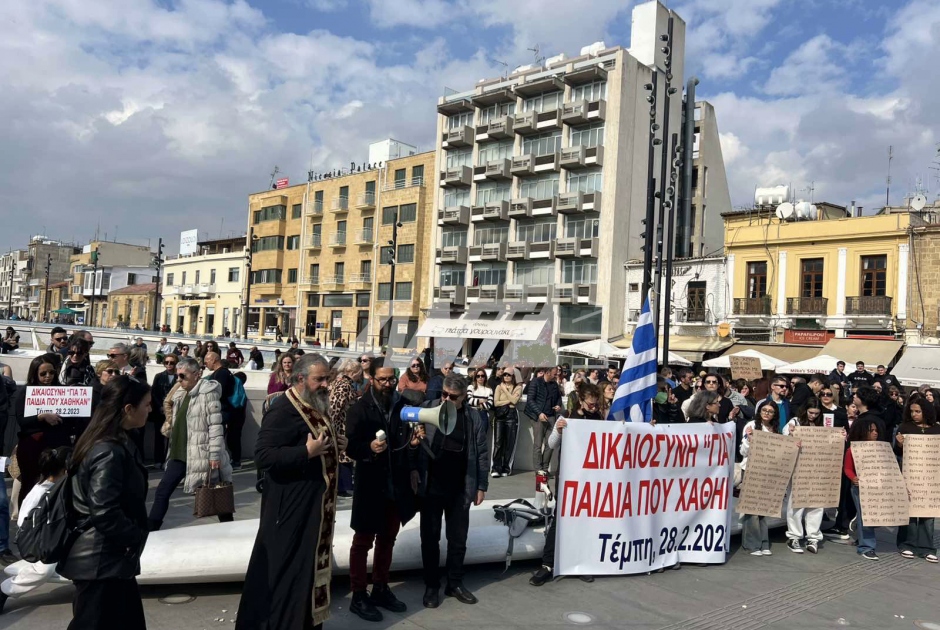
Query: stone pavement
(835,589)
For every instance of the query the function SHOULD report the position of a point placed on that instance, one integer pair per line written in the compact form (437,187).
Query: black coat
(223,376)
(281,572)
(380,477)
(667,413)
(883,434)
(161,387)
(801,394)
(109,494)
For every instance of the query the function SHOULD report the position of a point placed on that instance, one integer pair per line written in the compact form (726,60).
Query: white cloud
(817,64)
(417,13)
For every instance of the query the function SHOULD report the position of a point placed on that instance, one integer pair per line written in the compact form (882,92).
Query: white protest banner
(634,497)
(63,401)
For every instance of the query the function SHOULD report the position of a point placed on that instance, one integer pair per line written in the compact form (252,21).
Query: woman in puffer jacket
(197,440)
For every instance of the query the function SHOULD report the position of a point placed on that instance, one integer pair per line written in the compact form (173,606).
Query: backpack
(238,397)
(519,515)
(47,533)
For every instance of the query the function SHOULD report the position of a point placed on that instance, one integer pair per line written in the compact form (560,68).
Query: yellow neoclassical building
(825,274)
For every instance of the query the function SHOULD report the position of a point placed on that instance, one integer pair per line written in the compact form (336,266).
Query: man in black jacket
(860,377)
(543,402)
(803,391)
(886,380)
(162,384)
(838,375)
(383,499)
(223,377)
(867,400)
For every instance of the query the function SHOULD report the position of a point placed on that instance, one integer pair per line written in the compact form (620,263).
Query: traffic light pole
(157,293)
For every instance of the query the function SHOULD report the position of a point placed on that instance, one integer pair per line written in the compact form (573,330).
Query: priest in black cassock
(287,586)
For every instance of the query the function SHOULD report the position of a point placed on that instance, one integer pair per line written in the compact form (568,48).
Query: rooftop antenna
(888,178)
(810,189)
(539,59)
(274,175)
(504,65)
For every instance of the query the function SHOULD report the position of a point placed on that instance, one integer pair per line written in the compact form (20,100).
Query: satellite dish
(918,203)
(785,210)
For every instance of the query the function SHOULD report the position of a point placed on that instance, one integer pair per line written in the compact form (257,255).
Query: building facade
(322,259)
(131,306)
(14,270)
(202,293)
(543,181)
(49,262)
(53,299)
(711,197)
(90,275)
(805,281)
(923,316)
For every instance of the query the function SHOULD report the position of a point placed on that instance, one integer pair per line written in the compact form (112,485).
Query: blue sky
(148,117)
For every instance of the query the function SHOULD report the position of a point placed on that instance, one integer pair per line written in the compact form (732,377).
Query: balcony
(565,294)
(542,250)
(203,289)
(310,280)
(517,250)
(514,293)
(547,163)
(547,207)
(520,208)
(586,293)
(522,165)
(868,305)
(759,306)
(312,241)
(538,86)
(491,211)
(572,158)
(315,208)
(496,129)
(691,315)
(332,282)
(582,112)
(497,170)
(360,279)
(454,215)
(549,120)
(594,156)
(458,137)
(454,295)
(592,202)
(340,204)
(494,252)
(454,254)
(571,203)
(492,97)
(338,239)
(567,247)
(460,176)
(491,292)
(455,106)
(525,123)
(365,201)
(807,306)
(586,74)
(364,236)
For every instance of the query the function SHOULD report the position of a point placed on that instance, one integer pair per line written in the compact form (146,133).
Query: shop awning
(519,330)
(688,347)
(872,352)
(919,365)
(783,352)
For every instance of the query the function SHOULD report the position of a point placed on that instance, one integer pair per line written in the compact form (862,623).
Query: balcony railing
(752,306)
(363,278)
(308,279)
(313,240)
(315,207)
(877,305)
(365,200)
(807,306)
(364,236)
(691,315)
(340,204)
(337,239)
(399,184)
(336,279)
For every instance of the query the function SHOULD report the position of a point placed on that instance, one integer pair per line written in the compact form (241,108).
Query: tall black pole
(663,182)
(671,239)
(684,248)
(393,259)
(650,193)
(156,296)
(48,267)
(94,281)
(10,306)
(251,237)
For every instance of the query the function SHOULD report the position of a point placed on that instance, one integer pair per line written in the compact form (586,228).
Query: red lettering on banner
(667,488)
(626,508)
(645,449)
(591,460)
(706,492)
(611,453)
(606,509)
(573,487)
(584,503)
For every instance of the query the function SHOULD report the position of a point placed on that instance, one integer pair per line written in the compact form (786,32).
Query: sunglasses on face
(826,394)
(115,354)
(112,371)
(591,405)
(711,382)
(388,380)
(169,363)
(450,396)
(415,365)
(365,360)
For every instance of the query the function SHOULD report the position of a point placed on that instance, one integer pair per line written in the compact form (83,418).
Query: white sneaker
(504,475)
(757,553)
(767,552)
(494,474)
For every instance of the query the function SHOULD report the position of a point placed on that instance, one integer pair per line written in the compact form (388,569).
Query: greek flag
(633,401)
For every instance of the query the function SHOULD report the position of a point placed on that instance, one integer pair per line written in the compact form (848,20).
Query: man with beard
(287,585)
(383,500)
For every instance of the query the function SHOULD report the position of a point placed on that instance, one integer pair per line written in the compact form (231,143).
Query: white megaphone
(444,416)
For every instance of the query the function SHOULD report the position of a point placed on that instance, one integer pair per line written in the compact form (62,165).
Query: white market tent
(821,364)
(596,348)
(919,365)
(766,362)
(674,359)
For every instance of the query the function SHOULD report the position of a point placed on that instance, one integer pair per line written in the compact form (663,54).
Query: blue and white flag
(633,401)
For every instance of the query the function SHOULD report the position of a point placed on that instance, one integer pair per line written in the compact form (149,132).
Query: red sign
(810,337)
(281,183)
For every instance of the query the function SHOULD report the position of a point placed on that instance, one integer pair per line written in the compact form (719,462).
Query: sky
(138,119)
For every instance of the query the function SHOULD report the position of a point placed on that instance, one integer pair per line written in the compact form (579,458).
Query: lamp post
(248,251)
(663,183)
(650,191)
(46,304)
(156,298)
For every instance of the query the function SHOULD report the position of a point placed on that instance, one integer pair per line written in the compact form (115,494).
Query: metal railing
(807,306)
(398,184)
(752,306)
(364,278)
(868,305)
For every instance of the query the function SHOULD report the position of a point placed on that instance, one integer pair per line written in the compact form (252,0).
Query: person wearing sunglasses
(76,369)
(119,354)
(162,384)
(836,416)
(436,382)
(754,537)
(778,395)
(415,377)
(479,394)
(60,339)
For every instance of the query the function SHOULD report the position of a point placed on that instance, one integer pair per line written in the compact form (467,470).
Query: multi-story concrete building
(202,293)
(106,278)
(14,268)
(48,264)
(543,182)
(320,254)
(96,262)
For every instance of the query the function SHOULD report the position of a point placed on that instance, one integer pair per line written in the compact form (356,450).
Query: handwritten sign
(882,490)
(63,401)
(747,368)
(769,466)
(634,498)
(817,480)
(922,474)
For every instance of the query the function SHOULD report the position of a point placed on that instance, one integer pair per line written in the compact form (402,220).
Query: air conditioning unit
(280,302)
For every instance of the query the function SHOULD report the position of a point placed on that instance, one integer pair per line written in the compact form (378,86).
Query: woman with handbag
(197,442)
(506,425)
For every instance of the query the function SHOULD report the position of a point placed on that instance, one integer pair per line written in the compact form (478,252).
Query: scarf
(320,601)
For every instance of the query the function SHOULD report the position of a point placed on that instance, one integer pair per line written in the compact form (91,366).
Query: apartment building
(48,263)
(131,306)
(323,263)
(702,234)
(99,267)
(203,292)
(14,268)
(543,181)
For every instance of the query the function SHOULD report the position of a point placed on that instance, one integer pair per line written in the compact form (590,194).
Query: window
(874,275)
(497,111)
(408,213)
(811,278)
(169,279)
(341,231)
(370,189)
(257,217)
(580,320)
(490,235)
(184,278)
(695,300)
(313,299)
(363,299)
(388,215)
(579,271)
(132,278)
(365,268)
(589,91)
(385,291)
(293,242)
(267,244)
(291,276)
(459,120)
(417,175)
(489,273)
(344,192)
(266,276)
(198,275)
(406,253)
(530,273)
(318,201)
(271,213)
(314,273)
(633,286)
(339,270)
(338,299)
(317,233)
(493,192)
(296,210)
(400,177)
(233,274)
(453,276)
(585,181)
(454,238)
(456,159)
(537,231)
(141,309)
(541,187)
(582,228)
(756,279)
(542,144)
(212,276)
(543,102)
(402,291)
(494,151)
(385,255)
(588,135)
(456,197)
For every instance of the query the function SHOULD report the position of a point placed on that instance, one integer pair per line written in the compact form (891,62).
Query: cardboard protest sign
(747,368)
(922,474)
(882,491)
(817,480)
(769,466)
(633,497)
(62,401)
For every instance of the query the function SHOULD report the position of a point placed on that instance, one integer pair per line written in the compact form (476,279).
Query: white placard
(633,497)
(62,401)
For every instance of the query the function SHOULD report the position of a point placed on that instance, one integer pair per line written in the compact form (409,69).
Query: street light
(251,240)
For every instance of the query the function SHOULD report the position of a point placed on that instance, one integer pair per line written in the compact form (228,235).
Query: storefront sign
(809,337)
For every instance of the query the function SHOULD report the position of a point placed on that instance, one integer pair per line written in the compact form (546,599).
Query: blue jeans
(866,535)
(4,516)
